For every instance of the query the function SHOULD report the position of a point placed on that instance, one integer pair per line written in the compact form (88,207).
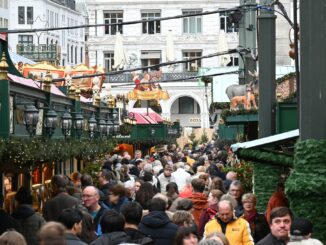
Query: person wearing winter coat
(235,229)
(133,213)
(30,222)
(112,225)
(198,198)
(72,219)
(157,224)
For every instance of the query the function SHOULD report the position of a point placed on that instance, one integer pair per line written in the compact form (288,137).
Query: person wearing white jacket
(180,176)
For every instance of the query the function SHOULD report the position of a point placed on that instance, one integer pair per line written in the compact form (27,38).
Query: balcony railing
(127,77)
(42,52)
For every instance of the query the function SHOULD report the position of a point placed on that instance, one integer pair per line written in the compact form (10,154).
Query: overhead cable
(230,51)
(129,22)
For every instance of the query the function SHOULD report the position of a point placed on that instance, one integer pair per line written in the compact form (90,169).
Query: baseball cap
(301,227)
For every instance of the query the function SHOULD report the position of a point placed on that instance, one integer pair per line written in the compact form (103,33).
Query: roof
(17,58)
(266,141)
(31,83)
(142,117)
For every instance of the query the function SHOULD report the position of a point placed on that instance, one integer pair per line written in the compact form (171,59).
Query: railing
(127,77)
(41,52)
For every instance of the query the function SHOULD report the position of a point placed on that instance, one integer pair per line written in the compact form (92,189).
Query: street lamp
(101,127)
(115,115)
(109,127)
(78,124)
(66,123)
(50,122)
(30,119)
(92,126)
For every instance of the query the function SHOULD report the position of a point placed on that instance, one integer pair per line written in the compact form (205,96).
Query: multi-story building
(145,44)
(64,47)
(4,13)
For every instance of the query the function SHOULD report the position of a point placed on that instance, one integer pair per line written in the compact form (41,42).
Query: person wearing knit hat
(301,230)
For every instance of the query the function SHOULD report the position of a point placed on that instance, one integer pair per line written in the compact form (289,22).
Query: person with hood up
(157,224)
(30,222)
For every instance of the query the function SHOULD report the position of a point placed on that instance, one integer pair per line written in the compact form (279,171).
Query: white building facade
(69,45)
(4,13)
(145,44)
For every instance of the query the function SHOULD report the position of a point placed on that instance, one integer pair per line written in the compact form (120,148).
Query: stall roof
(266,141)
(17,58)
(33,84)
(143,118)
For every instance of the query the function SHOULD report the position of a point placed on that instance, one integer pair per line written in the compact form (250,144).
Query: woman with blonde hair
(258,223)
(218,236)
(12,238)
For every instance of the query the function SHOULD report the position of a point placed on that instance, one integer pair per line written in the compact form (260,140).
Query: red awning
(143,118)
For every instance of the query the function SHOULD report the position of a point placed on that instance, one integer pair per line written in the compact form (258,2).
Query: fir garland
(266,178)
(306,186)
(285,77)
(267,157)
(219,105)
(25,153)
(227,113)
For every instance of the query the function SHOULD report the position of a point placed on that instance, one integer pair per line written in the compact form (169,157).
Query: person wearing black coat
(157,224)
(30,221)
(60,200)
(112,225)
(132,213)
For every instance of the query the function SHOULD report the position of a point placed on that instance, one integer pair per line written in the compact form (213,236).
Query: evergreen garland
(226,113)
(25,153)
(285,77)
(266,157)
(306,186)
(266,178)
(219,105)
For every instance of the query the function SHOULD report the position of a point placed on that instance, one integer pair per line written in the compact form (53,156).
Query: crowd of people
(181,197)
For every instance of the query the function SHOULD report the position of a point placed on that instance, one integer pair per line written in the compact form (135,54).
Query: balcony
(42,52)
(127,77)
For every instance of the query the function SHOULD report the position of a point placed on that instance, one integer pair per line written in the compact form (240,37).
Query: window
(186,105)
(225,24)
(30,17)
(192,24)
(112,18)
(76,55)
(234,61)
(21,15)
(109,61)
(153,26)
(25,39)
(193,65)
(72,54)
(150,58)
(68,52)
(81,55)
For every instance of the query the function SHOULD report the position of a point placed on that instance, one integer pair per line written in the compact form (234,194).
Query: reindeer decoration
(248,98)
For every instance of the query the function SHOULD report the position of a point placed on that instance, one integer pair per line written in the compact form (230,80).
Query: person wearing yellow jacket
(236,230)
